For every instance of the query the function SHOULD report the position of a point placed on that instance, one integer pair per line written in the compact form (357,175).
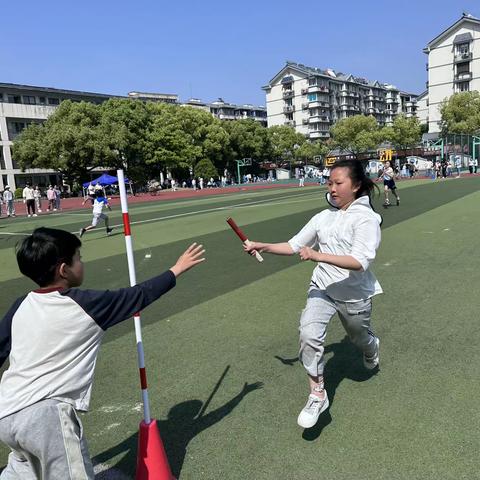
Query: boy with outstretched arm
(51,337)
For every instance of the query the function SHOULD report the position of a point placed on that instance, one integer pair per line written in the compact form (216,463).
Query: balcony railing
(317,88)
(463,57)
(290,123)
(305,106)
(288,94)
(288,109)
(304,121)
(304,91)
(463,76)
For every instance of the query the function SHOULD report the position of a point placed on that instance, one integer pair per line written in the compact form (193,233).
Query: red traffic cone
(152,462)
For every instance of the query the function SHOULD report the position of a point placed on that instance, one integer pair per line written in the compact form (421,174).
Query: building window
(53,101)
(463,48)
(14,99)
(463,86)
(29,100)
(42,100)
(2,160)
(463,67)
(312,97)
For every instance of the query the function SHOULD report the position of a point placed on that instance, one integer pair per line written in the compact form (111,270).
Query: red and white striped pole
(133,281)
(152,462)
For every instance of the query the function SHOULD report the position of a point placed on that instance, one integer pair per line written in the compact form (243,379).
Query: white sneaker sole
(311,421)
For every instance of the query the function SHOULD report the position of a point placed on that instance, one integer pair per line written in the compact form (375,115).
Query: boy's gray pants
(320,308)
(47,443)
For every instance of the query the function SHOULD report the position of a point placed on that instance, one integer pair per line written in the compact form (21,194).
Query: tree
(283,142)
(68,142)
(308,150)
(461,113)
(206,169)
(123,131)
(356,134)
(248,139)
(404,132)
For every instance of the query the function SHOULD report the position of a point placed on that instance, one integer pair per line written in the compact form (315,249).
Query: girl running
(389,184)
(343,241)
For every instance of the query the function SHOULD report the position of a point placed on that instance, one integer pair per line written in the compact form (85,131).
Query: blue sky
(212,48)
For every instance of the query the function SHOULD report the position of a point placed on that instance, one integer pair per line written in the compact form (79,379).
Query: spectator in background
(1,203)
(325,176)
(475,166)
(8,199)
(58,196)
(90,193)
(51,199)
(37,195)
(458,165)
(29,199)
(301,179)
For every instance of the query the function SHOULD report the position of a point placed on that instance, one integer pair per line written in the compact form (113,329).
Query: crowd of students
(33,199)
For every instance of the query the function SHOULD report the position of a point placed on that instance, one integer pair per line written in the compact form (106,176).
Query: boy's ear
(61,270)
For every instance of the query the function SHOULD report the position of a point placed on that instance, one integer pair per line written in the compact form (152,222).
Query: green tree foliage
(206,169)
(122,132)
(404,133)
(248,139)
(308,150)
(68,142)
(461,113)
(356,134)
(283,142)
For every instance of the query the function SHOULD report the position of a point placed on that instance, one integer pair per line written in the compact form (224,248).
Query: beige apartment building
(453,65)
(312,100)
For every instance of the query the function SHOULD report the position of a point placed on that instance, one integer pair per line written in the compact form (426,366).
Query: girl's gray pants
(320,308)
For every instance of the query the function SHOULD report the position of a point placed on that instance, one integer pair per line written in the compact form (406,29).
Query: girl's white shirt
(355,232)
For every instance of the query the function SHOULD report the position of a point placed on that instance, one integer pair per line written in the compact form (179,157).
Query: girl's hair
(358,176)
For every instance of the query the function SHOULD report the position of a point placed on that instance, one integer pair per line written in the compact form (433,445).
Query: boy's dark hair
(40,253)
(357,175)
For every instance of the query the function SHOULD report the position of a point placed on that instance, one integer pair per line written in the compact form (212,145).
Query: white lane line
(14,234)
(216,209)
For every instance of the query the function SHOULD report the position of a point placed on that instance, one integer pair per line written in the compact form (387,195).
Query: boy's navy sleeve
(110,307)
(6,331)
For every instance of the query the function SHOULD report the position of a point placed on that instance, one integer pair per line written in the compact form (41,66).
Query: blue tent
(103,180)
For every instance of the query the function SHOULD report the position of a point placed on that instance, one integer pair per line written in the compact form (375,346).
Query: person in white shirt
(29,198)
(343,241)
(37,194)
(98,204)
(9,204)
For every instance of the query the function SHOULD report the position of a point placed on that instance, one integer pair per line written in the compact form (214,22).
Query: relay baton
(242,236)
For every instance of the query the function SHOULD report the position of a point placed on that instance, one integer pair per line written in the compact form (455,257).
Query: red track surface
(75,203)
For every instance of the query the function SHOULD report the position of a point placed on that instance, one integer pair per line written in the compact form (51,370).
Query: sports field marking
(14,234)
(215,209)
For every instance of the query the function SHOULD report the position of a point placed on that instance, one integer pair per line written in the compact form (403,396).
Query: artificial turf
(232,322)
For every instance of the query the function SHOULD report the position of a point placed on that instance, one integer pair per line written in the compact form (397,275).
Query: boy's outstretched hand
(191,257)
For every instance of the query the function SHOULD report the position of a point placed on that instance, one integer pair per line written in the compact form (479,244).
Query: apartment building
(154,97)
(312,100)
(228,111)
(453,65)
